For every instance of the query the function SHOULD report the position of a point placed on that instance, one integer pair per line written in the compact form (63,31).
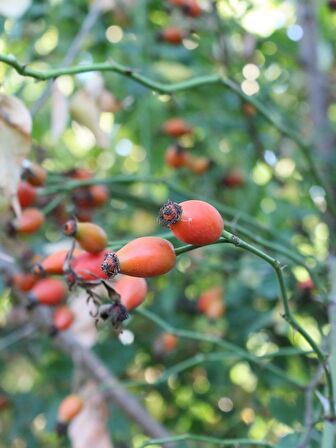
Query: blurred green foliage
(232,397)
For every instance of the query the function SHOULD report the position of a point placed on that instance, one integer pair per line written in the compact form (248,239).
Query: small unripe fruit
(92,196)
(169,341)
(132,290)
(211,303)
(87,266)
(79,173)
(191,8)
(4,403)
(165,344)
(306,285)
(199,165)
(83,214)
(69,408)
(99,195)
(91,237)
(62,319)
(234,179)
(194,222)
(176,156)
(249,110)
(34,174)
(24,281)
(29,222)
(172,35)
(48,291)
(26,194)
(143,257)
(176,127)
(178,3)
(53,264)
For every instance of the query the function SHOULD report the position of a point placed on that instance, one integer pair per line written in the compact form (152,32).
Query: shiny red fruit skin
(26,193)
(148,256)
(29,222)
(35,174)
(132,290)
(69,408)
(307,285)
(91,237)
(99,194)
(176,127)
(48,291)
(191,8)
(172,35)
(53,264)
(211,303)
(63,318)
(87,266)
(200,223)
(25,281)
(176,157)
(234,179)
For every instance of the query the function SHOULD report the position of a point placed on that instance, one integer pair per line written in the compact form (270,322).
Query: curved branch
(169,89)
(288,316)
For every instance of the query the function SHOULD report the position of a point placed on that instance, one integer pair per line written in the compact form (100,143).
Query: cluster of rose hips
(178,157)
(90,263)
(174,35)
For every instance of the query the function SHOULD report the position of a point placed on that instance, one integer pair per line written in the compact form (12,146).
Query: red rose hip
(194,222)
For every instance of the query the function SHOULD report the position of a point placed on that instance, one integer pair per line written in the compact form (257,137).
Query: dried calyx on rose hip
(33,173)
(68,409)
(194,222)
(91,237)
(143,257)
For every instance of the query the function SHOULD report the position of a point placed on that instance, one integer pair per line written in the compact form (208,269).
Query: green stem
(235,349)
(225,210)
(206,439)
(328,436)
(191,83)
(288,316)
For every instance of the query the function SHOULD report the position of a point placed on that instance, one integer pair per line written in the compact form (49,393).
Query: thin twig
(87,24)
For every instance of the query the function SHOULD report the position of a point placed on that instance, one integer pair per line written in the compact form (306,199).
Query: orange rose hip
(148,256)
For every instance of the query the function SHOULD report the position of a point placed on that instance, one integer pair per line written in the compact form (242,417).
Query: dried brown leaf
(15,144)
(88,429)
(83,327)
